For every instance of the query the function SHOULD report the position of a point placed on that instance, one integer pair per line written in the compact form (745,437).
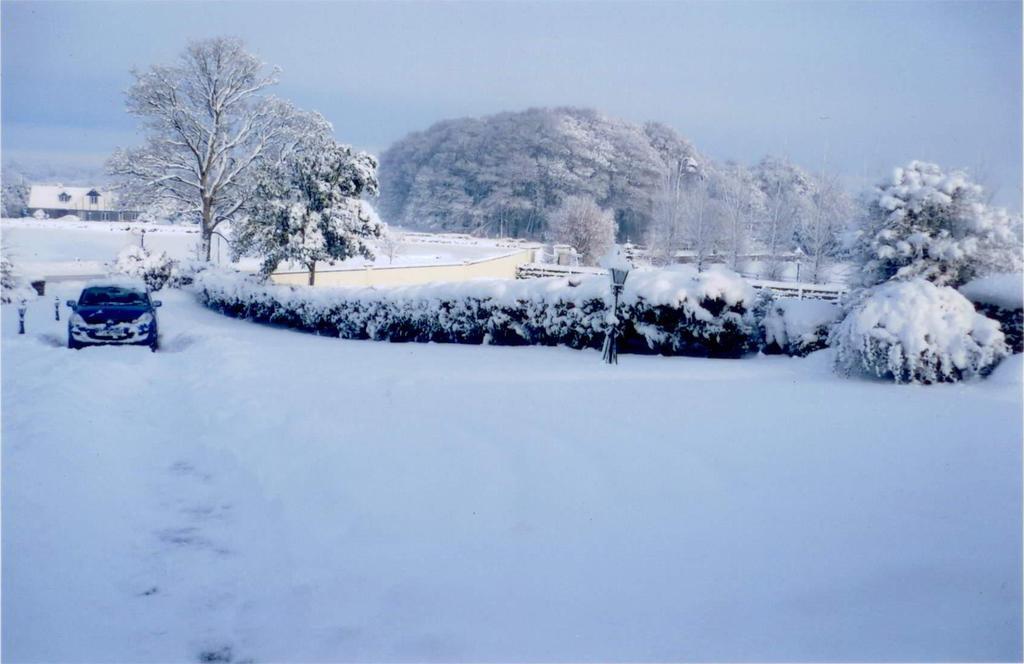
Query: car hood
(112,313)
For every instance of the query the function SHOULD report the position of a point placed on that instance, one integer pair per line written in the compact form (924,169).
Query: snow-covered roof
(48,197)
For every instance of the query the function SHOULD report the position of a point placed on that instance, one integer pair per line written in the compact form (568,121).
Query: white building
(87,203)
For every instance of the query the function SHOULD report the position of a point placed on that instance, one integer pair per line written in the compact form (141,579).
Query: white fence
(802,291)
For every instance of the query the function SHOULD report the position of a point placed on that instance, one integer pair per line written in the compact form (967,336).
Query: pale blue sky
(937,81)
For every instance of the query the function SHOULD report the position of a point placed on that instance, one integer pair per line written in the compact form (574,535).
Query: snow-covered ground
(57,247)
(252,493)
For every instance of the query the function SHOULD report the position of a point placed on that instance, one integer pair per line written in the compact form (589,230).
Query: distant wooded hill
(504,173)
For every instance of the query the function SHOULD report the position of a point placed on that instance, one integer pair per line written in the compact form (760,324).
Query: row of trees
(733,212)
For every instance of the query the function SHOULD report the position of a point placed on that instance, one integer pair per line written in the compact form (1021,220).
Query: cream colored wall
(500,267)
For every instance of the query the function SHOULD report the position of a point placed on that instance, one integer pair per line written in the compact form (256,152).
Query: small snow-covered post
(618,267)
(799,256)
(22,308)
(56,307)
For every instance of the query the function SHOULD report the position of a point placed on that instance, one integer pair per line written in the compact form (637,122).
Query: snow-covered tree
(702,220)
(208,124)
(787,189)
(14,194)
(583,225)
(167,211)
(10,284)
(667,231)
(308,210)
(742,207)
(390,244)
(924,222)
(828,214)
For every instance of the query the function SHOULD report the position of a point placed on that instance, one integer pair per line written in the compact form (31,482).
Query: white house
(87,203)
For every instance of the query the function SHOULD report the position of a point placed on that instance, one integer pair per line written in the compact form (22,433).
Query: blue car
(113,314)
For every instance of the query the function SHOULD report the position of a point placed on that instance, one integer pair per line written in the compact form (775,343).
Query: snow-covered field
(251,493)
(58,247)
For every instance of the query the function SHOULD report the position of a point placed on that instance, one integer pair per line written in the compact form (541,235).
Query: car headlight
(77,321)
(145,319)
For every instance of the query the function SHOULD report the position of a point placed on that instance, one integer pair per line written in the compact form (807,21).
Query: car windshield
(112,295)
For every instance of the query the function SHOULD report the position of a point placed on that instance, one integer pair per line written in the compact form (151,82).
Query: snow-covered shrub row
(680,312)
(916,332)
(797,327)
(1001,298)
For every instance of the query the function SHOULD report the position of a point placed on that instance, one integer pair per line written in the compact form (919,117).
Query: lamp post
(799,257)
(56,307)
(220,237)
(618,269)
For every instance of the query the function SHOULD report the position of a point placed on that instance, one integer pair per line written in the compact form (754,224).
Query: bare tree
(830,211)
(667,231)
(786,189)
(742,204)
(579,222)
(208,123)
(702,219)
(390,244)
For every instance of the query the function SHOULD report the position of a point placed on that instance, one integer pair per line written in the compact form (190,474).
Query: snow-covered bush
(12,287)
(138,262)
(183,272)
(934,225)
(1001,298)
(798,327)
(916,332)
(675,313)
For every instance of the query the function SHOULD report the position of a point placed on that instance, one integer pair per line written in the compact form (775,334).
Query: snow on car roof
(118,282)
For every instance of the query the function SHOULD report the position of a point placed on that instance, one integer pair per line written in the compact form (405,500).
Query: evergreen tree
(308,210)
(935,225)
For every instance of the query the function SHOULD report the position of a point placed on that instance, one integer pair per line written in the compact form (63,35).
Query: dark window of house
(94,197)
(64,197)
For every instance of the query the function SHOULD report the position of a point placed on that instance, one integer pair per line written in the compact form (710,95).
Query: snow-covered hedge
(798,327)
(680,312)
(1001,298)
(916,332)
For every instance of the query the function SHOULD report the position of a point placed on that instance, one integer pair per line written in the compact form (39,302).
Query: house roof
(47,197)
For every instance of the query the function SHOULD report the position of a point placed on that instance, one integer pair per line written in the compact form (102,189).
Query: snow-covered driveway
(250,492)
